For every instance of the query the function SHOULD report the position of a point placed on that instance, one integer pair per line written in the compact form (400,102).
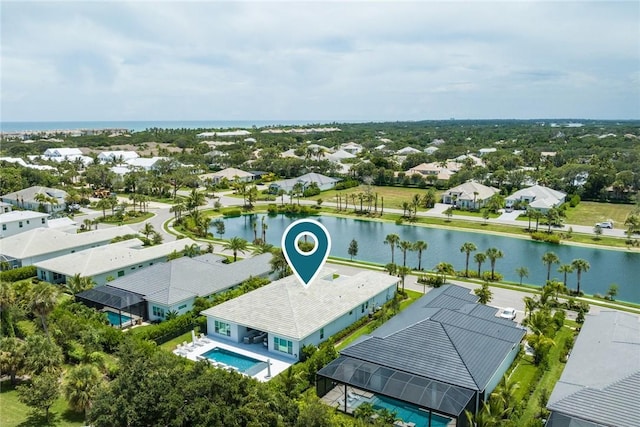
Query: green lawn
(171,345)
(393,196)
(588,213)
(13,413)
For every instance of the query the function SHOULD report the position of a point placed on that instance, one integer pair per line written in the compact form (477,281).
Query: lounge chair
(204,338)
(352,395)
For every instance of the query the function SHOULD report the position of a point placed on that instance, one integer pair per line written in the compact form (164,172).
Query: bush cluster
(291,209)
(18,274)
(347,183)
(546,237)
(232,212)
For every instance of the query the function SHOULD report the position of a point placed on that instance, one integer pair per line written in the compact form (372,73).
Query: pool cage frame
(107,298)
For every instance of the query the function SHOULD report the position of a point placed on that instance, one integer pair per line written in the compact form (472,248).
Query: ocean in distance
(138,126)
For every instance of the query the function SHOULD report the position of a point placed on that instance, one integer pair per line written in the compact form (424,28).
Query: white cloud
(319,60)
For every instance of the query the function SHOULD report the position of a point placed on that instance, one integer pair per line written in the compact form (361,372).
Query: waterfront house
(536,197)
(470,195)
(230,174)
(323,182)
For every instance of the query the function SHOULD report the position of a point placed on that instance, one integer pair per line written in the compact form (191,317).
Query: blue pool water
(409,413)
(114,318)
(245,364)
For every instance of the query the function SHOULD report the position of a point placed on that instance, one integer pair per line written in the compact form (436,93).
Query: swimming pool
(245,364)
(115,318)
(409,413)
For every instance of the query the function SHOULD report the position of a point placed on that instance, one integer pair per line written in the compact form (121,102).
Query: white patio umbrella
(268,368)
(193,336)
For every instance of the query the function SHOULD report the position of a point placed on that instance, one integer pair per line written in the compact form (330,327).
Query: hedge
(18,274)
(546,237)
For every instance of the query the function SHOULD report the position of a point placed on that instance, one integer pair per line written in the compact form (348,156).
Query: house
(62,153)
(441,356)
(323,182)
(352,148)
(407,150)
(230,174)
(291,316)
(120,156)
(174,286)
(26,199)
(537,197)
(441,172)
(230,133)
(5,207)
(338,156)
(145,163)
(484,151)
(14,160)
(15,222)
(470,195)
(469,159)
(41,243)
(108,261)
(431,149)
(600,383)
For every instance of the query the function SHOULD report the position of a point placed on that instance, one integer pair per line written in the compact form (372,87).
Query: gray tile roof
(601,381)
(443,336)
(183,278)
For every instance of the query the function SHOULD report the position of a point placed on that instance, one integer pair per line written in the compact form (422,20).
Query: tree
(192,250)
(467,248)
(41,394)
(392,240)
(444,268)
(597,230)
(391,268)
(194,200)
(420,246)
(220,229)
(449,213)
(279,264)
(12,357)
(81,385)
(479,259)
(77,283)
(147,229)
(353,249)
(493,254)
(550,258)
(176,209)
(484,293)
(405,246)
(564,269)
(104,204)
(403,271)
(44,299)
(612,292)
(580,265)
(522,272)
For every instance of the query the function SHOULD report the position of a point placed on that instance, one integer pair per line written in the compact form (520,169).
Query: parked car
(508,313)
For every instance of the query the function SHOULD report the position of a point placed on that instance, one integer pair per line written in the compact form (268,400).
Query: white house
(352,148)
(122,156)
(114,260)
(26,199)
(15,160)
(291,316)
(483,151)
(431,149)
(537,197)
(323,182)
(5,207)
(231,174)
(441,172)
(174,285)
(15,222)
(470,195)
(62,153)
(42,243)
(145,163)
(407,150)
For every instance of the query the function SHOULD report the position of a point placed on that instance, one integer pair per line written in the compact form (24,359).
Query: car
(508,313)
(605,224)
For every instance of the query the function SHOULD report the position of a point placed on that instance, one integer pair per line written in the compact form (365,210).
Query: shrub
(497,277)
(232,212)
(575,200)
(311,191)
(347,183)
(18,274)
(546,237)
(431,281)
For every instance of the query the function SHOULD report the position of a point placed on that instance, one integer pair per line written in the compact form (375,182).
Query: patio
(255,351)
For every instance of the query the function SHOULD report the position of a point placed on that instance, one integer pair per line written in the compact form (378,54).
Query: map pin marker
(306,265)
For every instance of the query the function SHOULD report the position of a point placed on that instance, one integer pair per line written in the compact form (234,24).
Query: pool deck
(255,351)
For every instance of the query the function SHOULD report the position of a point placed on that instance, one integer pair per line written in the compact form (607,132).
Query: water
(115,319)
(243,363)
(607,266)
(147,124)
(408,413)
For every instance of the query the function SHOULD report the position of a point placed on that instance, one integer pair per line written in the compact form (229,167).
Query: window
(28,222)
(182,306)
(120,273)
(42,219)
(362,308)
(222,328)
(157,311)
(321,333)
(20,224)
(282,345)
(350,312)
(4,227)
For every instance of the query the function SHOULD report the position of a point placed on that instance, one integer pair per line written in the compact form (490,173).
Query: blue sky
(196,60)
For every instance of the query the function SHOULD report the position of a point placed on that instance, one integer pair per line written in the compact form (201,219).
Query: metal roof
(601,381)
(110,297)
(443,337)
(183,278)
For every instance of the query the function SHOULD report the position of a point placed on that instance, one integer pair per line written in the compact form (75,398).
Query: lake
(607,266)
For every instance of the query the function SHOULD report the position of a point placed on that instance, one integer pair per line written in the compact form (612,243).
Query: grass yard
(588,213)
(13,413)
(393,196)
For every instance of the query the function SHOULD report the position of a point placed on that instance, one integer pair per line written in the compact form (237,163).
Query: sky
(321,61)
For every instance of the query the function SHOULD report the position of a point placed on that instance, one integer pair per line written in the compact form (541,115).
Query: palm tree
(81,386)
(176,210)
(550,258)
(87,223)
(405,246)
(522,272)
(484,293)
(467,248)
(444,268)
(564,269)
(264,248)
(236,244)
(419,247)
(104,204)
(403,272)
(392,240)
(530,304)
(415,202)
(44,300)
(191,250)
(194,200)
(279,263)
(479,258)
(77,283)
(580,265)
(147,229)
(494,254)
